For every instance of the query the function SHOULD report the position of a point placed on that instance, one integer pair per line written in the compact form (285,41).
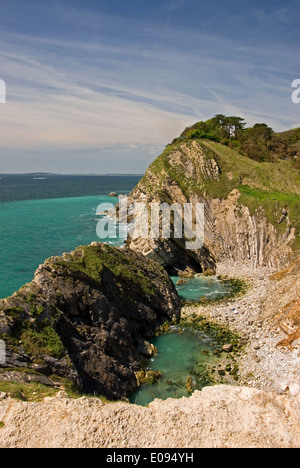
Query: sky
(102,86)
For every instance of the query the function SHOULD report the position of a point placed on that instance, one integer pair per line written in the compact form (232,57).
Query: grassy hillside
(275,187)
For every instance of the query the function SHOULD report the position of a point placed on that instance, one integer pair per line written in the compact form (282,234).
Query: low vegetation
(90,261)
(214,330)
(42,341)
(259,142)
(32,391)
(35,391)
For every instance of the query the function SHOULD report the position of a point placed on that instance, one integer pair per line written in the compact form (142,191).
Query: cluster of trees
(219,128)
(259,142)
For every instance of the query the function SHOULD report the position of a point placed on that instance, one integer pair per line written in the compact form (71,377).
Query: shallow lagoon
(200,287)
(182,353)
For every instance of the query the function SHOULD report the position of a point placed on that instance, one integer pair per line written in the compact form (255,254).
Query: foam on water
(193,289)
(38,227)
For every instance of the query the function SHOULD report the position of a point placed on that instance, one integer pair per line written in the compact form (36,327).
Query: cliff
(216,417)
(86,317)
(251,207)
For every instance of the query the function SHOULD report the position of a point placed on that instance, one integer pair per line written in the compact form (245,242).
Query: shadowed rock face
(87,316)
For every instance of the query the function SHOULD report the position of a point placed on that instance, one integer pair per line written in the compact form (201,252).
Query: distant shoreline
(51,174)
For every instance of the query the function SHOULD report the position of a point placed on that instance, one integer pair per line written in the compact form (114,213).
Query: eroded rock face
(192,172)
(87,316)
(216,417)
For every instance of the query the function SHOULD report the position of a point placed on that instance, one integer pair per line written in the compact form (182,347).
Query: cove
(182,353)
(199,287)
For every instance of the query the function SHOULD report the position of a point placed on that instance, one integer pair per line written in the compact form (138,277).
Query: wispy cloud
(91,90)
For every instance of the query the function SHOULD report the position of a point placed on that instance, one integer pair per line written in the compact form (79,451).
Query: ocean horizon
(42,217)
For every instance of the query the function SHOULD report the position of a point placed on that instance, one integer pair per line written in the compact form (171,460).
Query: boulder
(227,348)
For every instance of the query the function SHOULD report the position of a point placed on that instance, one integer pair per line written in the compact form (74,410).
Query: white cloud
(74,94)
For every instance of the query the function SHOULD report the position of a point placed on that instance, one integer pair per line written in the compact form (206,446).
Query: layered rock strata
(237,227)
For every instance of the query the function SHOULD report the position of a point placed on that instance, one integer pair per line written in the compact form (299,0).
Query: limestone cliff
(251,208)
(86,317)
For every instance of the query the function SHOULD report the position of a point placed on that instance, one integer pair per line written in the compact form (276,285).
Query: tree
(236,125)
(256,142)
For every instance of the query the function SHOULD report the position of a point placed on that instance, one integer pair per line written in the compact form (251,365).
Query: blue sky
(103,85)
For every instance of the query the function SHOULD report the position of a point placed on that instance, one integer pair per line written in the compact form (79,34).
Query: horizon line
(109,174)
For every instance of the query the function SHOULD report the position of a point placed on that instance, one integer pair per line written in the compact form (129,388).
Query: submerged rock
(87,316)
(189,384)
(227,348)
(147,377)
(181,282)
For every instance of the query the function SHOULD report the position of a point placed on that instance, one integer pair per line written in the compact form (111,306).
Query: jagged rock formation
(87,316)
(251,213)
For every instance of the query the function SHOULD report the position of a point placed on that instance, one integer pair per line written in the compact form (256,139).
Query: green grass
(91,261)
(35,391)
(32,391)
(273,204)
(272,177)
(14,312)
(265,176)
(288,198)
(42,342)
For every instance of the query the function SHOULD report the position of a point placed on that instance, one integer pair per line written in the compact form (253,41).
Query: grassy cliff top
(93,261)
(272,186)
(236,170)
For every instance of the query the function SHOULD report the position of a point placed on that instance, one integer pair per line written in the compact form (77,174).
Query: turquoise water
(42,215)
(201,286)
(33,230)
(45,215)
(181,354)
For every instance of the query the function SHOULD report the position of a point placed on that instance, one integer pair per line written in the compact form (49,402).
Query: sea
(44,215)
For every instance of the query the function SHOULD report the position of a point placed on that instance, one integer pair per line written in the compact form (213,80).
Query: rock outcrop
(87,317)
(246,216)
(216,417)
(282,306)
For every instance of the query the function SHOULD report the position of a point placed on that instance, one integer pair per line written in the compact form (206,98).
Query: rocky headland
(87,317)
(250,215)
